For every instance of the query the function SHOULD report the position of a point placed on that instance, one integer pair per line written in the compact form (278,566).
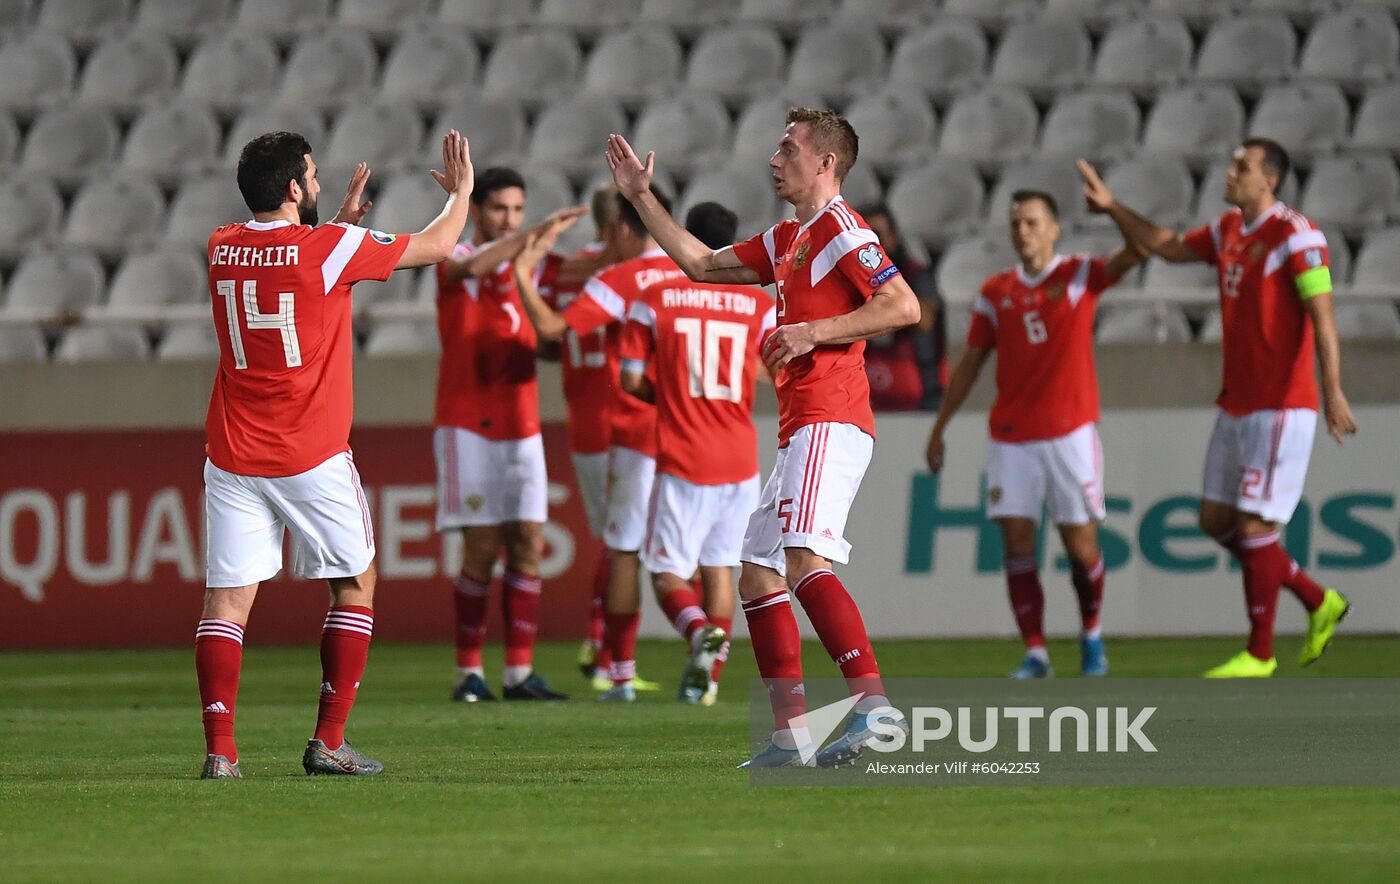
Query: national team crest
(1055,292)
(1257,252)
(870,257)
(799,259)
(475,502)
(994,494)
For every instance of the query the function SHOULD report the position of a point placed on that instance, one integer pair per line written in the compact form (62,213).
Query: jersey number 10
(284,320)
(702,357)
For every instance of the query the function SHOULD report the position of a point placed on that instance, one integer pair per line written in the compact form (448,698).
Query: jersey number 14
(284,320)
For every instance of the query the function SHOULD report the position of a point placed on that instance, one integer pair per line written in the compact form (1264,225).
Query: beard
(306,210)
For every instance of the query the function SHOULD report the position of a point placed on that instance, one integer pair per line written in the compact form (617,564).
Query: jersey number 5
(284,320)
(702,357)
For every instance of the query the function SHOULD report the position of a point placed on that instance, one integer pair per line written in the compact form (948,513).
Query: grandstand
(119,121)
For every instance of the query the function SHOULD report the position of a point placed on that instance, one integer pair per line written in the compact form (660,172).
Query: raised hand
(351,210)
(562,219)
(1097,196)
(457,176)
(632,177)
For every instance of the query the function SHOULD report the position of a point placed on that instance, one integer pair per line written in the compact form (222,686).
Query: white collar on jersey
(812,220)
(1268,213)
(653,253)
(1031,282)
(266,225)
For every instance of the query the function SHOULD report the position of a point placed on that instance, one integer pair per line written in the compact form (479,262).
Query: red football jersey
(486,377)
(587,392)
(283,395)
(603,305)
(702,341)
(1043,332)
(829,266)
(1266,270)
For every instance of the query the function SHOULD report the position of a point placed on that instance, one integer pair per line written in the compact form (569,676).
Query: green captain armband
(1314,282)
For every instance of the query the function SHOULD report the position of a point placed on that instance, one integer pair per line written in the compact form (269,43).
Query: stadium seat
(1100,244)
(938,199)
(103,343)
(760,126)
(150,282)
(991,125)
(533,66)
(547,190)
(84,21)
(838,60)
(9,140)
(231,70)
(502,141)
(861,186)
(111,214)
(394,292)
(1043,54)
(427,65)
(128,71)
(1210,198)
(48,284)
(1354,46)
(944,59)
(992,14)
(746,191)
(733,62)
(1378,120)
(203,204)
(329,69)
(687,131)
(1097,15)
(1199,123)
(587,17)
(384,19)
(661,180)
(786,16)
(1353,192)
(968,262)
(572,133)
(405,203)
(282,20)
(1098,124)
(172,141)
(1142,324)
(1055,175)
(957,319)
(1145,54)
(1196,13)
(1377,272)
(894,126)
(22,343)
(634,64)
(184,21)
(36,70)
(1248,52)
(1156,187)
(1300,12)
(383,135)
(687,17)
(1194,283)
(1306,119)
(403,338)
(892,17)
(1367,321)
(487,16)
(31,212)
(1338,256)
(69,143)
(276,118)
(1211,328)
(189,341)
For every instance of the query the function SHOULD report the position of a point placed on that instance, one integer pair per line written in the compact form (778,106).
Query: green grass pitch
(100,753)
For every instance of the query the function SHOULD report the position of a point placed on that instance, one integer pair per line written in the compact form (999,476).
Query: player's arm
(1162,241)
(549,323)
(959,385)
(893,306)
(699,261)
(578,269)
(1124,259)
(1335,408)
(507,248)
(434,243)
(638,347)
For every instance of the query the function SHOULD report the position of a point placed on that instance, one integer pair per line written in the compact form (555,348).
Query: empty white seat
(1099,244)
(1156,187)
(195,340)
(36,69)
(993,13)
(894,125)
(1055,175)
(127,71)
(787,16)
(686,16)
(574,133)
(394,292)
(172,141)
(861,186)
(1367,321)
(16,14)
(183,20)
(968,263)
(1305,119)
(155,279)
(1357,44)
(403,338)
(1338,256)
(1212,329)
(1044,53)
(262,119)
(534,66)
(761,124)
(634,63)
(1142,324)
(50,283)
(993,124)
(111,213)
(406,203)
(745,191)
(1248,51)
(70,142)
(103,343)
(1210,198)
(84,21)
(283,19)
(1095,123)
(947,57)
(500,141)
(1354,192)
(1145,53)
(384,18)
(957,319)
(232,69)
(200,206)
(1199,123)
(938,199)
(1378,264)
(1193,283)
(487,16)
(30,213)
(9,139)
(378,134)
(329,68)
(686,131)
(894,17)
(22,343)
(841,59)
(427,64)
(736,61)
(1378,119)
(1097,15)
(587,16)
(547,190)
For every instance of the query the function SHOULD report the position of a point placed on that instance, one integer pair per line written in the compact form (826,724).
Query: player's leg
(630,488)
(717,583)
(591,473)
(345,641)
(1075,499)
(218,662)
(520,601)
(460,501)
(1086,571)
(1016,487)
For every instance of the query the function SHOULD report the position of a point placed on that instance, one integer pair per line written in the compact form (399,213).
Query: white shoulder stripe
(340,256)
(1080,282)
(642,312)
(1298,242)
(608,299)
(984,306)
(768,243)
(841,245)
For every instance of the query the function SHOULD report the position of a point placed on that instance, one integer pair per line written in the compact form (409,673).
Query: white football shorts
(630,477)
(693,525)
(1061,476)
(591,471)
(1257,462)
(484,481)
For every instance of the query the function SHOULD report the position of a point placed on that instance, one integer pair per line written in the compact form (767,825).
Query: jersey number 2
(702,357)
(284,320)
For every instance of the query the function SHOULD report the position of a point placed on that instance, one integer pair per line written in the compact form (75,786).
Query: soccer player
(486,439)
(1276,307)
(1045,453)
(279,424)
(835,288)
(632,434)
(702,341)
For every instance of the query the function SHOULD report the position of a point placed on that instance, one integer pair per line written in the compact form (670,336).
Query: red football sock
(1265,565)
(727,624)
(218,658)
(778,650)
(682,608)
(345,641)
(1027,599)
(601,575)
(471,620)
(1308,591)
(622,641)
(1088,587)
(838,623)
(522,614)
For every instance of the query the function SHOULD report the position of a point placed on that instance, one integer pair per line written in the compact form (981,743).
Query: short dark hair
(265,166)
(1275,157)
(628,214)
(493,179)
(1027,194)
(712,224)
(831,132)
